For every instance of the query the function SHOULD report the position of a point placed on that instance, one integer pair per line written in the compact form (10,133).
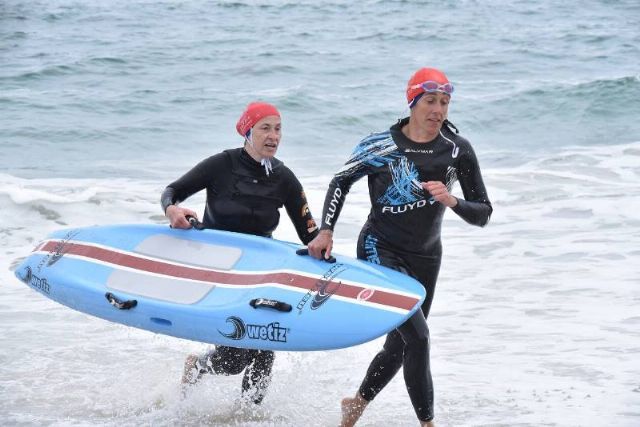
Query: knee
(229,360)
(231,367)
(415,331)
(391,357)
(417,348)
(418,340)
(392,349)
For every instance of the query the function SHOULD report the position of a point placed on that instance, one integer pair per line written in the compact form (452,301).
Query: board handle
(305,251)
(119,304)
(195,223)
(270,303)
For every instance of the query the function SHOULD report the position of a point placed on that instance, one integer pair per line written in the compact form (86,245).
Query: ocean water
(536,319)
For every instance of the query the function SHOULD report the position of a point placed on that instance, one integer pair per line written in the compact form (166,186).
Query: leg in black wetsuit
(408,345)
(257,375)
(225,360)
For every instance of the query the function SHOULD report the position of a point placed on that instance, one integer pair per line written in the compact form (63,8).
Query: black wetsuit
(242,198)
(403,232)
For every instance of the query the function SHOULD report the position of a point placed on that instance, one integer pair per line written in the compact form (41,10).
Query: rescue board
(220,287)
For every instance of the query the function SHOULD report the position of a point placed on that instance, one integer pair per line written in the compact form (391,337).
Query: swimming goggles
(431,86)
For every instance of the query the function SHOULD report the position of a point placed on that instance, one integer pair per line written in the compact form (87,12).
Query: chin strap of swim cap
(265,161)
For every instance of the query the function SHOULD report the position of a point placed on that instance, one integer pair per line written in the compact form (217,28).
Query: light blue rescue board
(220,287)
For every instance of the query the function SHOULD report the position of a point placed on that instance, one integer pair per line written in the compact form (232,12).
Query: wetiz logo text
(271,332)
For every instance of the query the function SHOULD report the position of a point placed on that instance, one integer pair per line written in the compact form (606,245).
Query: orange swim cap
(423,75)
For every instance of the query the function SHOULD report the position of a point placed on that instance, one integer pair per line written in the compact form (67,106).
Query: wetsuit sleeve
(298,210)
(197,179)
(356,167)
(476,208)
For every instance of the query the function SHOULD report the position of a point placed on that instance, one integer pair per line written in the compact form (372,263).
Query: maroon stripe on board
(184,272)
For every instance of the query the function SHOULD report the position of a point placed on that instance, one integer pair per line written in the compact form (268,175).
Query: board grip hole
(160,321)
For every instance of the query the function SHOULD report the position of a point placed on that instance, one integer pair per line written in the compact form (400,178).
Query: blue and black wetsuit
(242,198)
(403,232)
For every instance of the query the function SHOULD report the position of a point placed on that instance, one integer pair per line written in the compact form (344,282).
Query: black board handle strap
(305,251)
(270,303)
(195,223)
(118,303)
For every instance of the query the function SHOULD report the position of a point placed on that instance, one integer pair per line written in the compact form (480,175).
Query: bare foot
(191,373)
(352,409)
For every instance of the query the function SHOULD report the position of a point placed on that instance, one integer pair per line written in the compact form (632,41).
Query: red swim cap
(421,76)
(254,112)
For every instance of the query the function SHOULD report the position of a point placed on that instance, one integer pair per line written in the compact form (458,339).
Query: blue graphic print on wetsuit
(371,249)
(405,187)
(402,213)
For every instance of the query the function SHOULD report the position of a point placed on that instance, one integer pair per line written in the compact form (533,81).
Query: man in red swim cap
(245,189)
(411,169)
